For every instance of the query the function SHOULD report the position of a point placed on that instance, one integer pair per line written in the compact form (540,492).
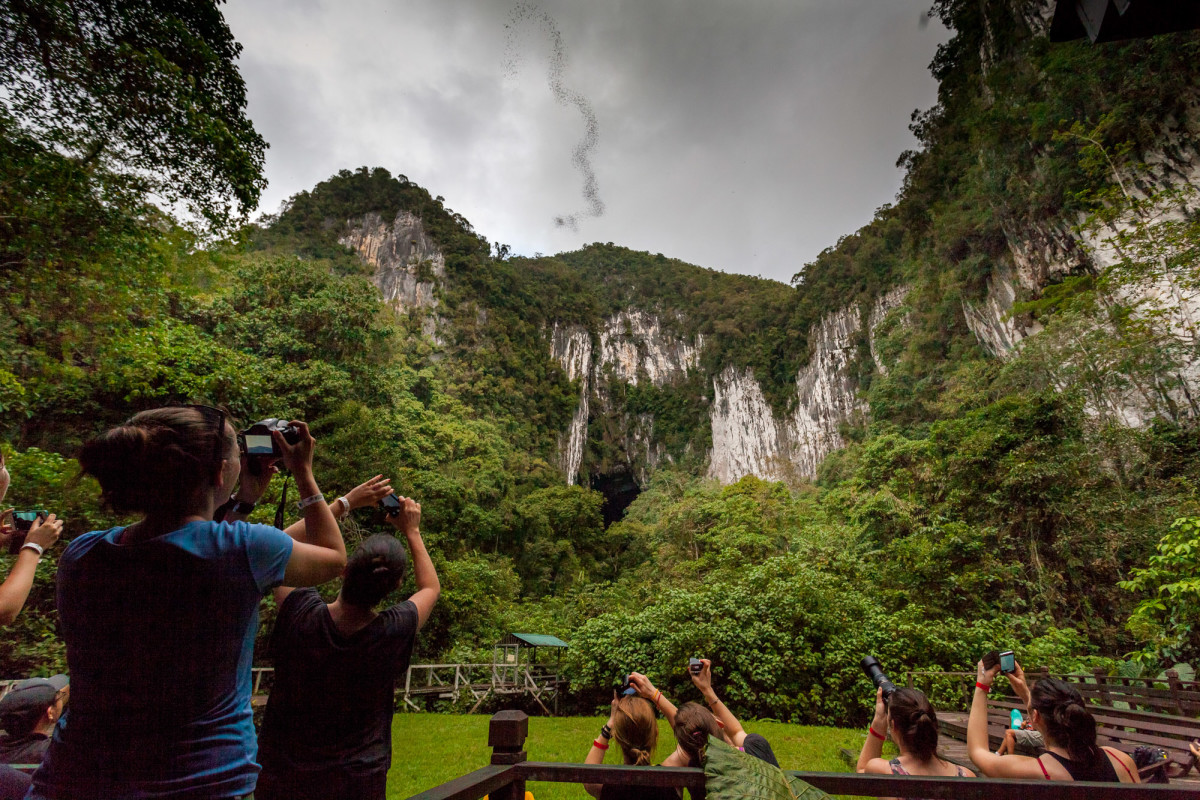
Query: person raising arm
(41,537)
(1058,713)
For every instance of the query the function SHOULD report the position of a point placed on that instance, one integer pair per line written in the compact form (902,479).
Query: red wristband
(871,730)
(597,743)
(979,685)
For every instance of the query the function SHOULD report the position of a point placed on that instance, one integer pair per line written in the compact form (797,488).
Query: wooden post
(1101,677)
(910,681)
(1176,692)
(506,736)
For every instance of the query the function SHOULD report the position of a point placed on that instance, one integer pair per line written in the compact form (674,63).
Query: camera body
(695,666)
(1007,661)
(258,443)
(870,665)
(23,522)
(391,505)
(624,687)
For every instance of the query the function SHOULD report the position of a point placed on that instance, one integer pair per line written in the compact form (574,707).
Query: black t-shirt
(27,749)
(760,748)
(332,701)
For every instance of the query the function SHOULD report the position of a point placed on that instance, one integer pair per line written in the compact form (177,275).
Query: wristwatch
(606,731)
(243,507)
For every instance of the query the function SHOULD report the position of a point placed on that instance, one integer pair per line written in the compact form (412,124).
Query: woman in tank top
(1057,711)
(909,718)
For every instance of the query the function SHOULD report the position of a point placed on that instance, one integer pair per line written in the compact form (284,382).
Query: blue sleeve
(268,550)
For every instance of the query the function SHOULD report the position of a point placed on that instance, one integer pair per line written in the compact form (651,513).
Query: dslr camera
(22,523)
(257,442)
(874,671)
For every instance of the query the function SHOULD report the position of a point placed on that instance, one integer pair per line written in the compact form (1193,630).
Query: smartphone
(23,520)
(259,445)
(391,505)
(1008,662)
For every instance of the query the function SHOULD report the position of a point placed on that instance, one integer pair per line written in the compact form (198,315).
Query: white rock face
(747,437)
(634,346)
(397,251)
(571,346)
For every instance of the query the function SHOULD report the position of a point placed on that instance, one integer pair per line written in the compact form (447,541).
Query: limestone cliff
(408,265)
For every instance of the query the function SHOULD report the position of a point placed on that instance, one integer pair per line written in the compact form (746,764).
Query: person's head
(374,570)
(693,725)
(635,729)
(165,462)
(914,723)
(1059,714)
(33,705)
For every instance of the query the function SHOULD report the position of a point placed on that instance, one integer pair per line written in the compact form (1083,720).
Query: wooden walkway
(481,681)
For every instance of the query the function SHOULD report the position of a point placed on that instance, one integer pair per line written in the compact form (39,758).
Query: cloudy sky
(741,135)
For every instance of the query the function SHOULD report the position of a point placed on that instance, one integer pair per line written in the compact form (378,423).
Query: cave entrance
(619,489)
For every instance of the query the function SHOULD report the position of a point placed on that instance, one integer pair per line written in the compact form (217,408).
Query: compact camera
(695,666)
(391,505)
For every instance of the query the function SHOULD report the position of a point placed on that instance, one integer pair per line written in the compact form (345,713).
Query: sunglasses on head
(216,417)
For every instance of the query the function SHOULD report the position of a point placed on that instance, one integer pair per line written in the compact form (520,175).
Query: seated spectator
(632,724)
(692,723)
(1057,711)
(28,714)
(159,617)
(327,732)
(911,721)
(1025,739)
(14,591)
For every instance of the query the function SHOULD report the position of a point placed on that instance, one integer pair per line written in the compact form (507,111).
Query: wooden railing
(509,772)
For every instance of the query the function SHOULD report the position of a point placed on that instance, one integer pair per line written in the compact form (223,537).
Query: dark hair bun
(157,461)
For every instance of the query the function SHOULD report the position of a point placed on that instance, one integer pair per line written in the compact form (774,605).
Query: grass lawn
(428,749)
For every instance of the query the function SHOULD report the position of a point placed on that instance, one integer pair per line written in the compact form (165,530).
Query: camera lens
(871,666)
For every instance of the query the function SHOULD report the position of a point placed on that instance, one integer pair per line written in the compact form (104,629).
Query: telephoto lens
(870,665)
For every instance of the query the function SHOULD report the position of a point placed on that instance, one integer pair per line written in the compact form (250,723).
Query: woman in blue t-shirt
(159,617)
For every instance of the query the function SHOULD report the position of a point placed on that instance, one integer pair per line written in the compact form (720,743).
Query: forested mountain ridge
(935,418)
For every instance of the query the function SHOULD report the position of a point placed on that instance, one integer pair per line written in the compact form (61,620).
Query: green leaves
(1165,620)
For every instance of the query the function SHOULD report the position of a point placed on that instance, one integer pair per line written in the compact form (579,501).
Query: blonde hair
(635,729)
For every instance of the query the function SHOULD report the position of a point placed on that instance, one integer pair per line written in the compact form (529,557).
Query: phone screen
(259,445)
(1008,662)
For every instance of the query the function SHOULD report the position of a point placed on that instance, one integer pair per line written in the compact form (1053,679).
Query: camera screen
(1008,662)
(258,445)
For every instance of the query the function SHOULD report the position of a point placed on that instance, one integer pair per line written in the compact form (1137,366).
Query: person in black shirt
(28,714)
(328,723)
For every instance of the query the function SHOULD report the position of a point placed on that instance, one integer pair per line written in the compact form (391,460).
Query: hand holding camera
(701,677)
(295,447)
(642,686)
(403,513)
(36,527)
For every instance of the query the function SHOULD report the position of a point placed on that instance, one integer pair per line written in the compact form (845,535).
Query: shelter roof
(532,640)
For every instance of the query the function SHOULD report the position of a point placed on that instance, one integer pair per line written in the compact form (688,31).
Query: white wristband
(35,547)
(308,501)
(346,505)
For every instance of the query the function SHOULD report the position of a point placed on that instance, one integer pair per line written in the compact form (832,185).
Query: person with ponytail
(633,726)
(692,723)
(1056,711)
(327,732)
(911,721)
(159,617)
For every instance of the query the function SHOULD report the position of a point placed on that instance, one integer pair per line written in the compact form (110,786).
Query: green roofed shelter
(533,640)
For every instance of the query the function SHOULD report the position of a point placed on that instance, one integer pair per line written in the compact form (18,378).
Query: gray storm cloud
(526,16)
